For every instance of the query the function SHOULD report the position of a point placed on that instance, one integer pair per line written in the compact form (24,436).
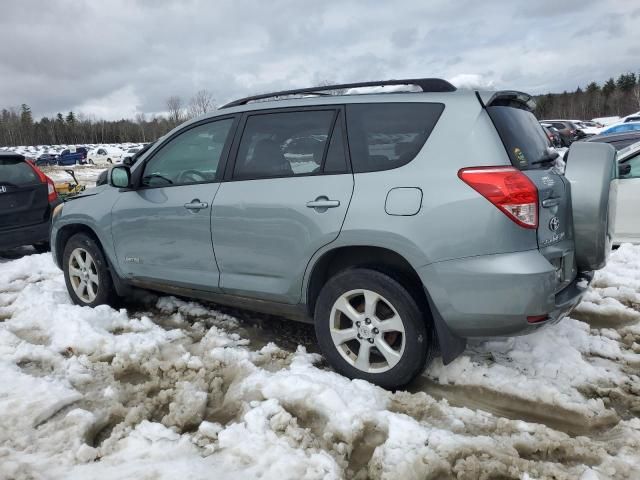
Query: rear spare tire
(590,169)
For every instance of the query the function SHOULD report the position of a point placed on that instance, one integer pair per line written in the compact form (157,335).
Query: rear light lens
(508,189)
(537,318)
(51,188)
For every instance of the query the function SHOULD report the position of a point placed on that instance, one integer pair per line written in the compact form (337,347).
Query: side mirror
(624,169)
(120,177)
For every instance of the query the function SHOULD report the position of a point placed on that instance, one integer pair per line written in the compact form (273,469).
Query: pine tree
(26,118)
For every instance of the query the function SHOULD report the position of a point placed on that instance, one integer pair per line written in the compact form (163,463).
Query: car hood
(90,192)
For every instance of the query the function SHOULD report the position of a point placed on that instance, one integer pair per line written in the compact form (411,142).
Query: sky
(116,58)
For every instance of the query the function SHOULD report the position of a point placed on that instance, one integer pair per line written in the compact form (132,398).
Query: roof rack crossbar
(426,84)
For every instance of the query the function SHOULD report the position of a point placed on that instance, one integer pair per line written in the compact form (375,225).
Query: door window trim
(338,110)
(136,176)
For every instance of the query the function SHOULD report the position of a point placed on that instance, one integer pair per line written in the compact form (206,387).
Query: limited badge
(519,156)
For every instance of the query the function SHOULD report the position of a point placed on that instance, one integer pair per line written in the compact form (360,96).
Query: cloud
(117,58)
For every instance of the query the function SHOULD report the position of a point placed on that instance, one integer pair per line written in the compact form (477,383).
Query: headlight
(57,211)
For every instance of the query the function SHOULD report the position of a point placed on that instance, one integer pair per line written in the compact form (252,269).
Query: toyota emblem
(554,224)
(3,189)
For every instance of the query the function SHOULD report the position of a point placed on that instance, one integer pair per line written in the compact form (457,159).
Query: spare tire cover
(590,169)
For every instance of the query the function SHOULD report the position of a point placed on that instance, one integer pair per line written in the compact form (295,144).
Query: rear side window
(16,173)
(383,136)
(283,144)
(521,134)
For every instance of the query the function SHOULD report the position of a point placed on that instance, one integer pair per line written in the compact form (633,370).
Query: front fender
(90,211)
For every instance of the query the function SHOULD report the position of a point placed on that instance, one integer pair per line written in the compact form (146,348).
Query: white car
(105,155)
(589,128)
(130,153)
(626,196)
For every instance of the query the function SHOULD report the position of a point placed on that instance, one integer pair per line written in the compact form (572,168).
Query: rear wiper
(8,184)
(546,158)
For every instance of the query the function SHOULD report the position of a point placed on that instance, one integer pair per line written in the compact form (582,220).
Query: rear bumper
(492,295)
(28,235)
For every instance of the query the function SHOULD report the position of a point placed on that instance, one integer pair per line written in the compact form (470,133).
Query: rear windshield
(521,135)
(16,173)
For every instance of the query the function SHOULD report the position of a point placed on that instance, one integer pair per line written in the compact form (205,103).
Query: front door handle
(322,203)
(195,205)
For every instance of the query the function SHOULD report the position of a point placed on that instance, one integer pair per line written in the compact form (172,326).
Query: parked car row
(104,155)
(568,130)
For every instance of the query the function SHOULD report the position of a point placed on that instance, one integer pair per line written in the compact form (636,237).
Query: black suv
(27,200)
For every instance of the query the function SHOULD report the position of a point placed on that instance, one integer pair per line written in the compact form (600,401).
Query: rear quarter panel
(454,221)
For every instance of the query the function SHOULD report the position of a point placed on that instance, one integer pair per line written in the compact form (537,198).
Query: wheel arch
(364,256)
(395,265)
(67,231)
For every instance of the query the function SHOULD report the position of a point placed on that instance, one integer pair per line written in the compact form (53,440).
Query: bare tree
(201,103)
(175,110)
(141,120)
(636,93)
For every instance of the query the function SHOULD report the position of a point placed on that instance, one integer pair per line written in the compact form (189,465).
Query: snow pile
(174,391)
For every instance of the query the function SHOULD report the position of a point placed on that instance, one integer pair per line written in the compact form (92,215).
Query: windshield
(524,140)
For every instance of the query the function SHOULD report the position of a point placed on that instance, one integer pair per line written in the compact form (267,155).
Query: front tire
(370,327)
(86,272)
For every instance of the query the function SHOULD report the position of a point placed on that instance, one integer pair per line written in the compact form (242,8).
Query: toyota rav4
(368,214)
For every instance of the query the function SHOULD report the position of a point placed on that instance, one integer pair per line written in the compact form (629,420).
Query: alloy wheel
(367,331)
(83,274)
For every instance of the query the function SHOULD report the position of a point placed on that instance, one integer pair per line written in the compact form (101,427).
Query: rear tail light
(51,188)
(537,318)
(508,189)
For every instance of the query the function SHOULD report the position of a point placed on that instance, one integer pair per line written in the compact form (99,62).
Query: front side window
(388,135)
(191,157)
(283,144)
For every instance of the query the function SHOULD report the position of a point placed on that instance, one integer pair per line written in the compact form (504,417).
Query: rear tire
(86,272)
(382,338)
(109,161)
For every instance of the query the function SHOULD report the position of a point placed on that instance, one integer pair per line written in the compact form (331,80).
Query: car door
(627,199)
(284,197)
(162,228)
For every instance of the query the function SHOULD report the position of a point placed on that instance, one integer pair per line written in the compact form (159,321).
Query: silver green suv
(399,223)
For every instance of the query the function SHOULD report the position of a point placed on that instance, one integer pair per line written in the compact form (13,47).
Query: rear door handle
(195,205)
(323,203)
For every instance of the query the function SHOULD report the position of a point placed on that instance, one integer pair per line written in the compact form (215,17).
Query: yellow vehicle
(68,189)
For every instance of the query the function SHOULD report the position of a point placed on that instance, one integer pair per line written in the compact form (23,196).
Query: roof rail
(426,84)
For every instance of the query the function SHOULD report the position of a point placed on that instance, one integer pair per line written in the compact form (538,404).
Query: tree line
(17,126)
(619,96)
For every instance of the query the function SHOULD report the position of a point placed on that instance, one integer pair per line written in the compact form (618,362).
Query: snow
(168,388)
